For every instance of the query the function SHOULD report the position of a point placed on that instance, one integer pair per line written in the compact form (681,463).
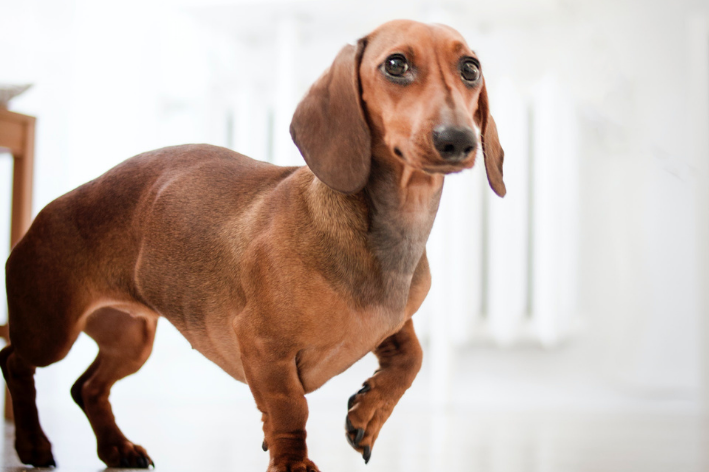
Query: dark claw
(52,464)
(264,446)
(365,388)
(358,432)
(367,454)
(359,436)
(142,463)
(124,462)
(152,463)
(350,402)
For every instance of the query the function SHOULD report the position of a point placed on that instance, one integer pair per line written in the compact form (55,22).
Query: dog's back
(97,230)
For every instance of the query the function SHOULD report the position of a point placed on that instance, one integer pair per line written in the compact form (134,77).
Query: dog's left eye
(469,70)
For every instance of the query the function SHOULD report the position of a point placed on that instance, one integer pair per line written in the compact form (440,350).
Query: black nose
(453,143)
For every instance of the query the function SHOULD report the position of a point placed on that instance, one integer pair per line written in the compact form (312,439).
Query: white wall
(116,78)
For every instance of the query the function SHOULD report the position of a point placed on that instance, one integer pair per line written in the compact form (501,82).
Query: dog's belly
(220,345)
(316,363)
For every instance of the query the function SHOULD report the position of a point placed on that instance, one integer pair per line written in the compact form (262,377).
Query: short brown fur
(284,277)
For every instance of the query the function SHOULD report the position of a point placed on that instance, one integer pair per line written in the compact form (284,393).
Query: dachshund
(282,276)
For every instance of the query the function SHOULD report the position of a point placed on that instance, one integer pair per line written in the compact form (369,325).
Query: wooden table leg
(22,149)
(22,187)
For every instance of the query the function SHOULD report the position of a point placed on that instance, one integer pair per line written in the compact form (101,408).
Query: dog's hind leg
(31,443)
(125,343)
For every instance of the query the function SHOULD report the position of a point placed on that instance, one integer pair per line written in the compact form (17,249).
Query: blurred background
(567,320)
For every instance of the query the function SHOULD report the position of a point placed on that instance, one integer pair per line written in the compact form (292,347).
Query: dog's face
(421,86)
(407,91)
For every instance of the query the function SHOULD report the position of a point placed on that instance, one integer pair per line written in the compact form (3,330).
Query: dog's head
(407,91)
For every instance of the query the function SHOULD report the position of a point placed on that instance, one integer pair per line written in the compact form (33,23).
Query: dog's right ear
(329,126)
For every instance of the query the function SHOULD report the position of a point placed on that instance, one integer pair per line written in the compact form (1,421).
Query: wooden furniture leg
(17,134)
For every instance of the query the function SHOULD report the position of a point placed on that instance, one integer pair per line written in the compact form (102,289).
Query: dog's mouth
(450,168)
(431,162)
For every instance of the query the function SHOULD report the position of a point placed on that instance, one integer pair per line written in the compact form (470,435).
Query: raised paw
(125,454)
(289,465)
(367,412)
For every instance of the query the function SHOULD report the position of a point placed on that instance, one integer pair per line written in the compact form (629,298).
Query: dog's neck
(377,236)
(402,205)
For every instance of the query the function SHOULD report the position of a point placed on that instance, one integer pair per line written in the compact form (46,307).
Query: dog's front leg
(400,357)
(271,372)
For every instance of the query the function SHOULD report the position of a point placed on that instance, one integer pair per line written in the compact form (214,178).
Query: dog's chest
(361,334)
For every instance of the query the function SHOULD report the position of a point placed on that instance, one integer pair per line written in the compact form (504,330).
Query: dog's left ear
(492,151)
(329,126)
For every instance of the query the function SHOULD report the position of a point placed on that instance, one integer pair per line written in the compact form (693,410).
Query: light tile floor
(213,438)
(190,417)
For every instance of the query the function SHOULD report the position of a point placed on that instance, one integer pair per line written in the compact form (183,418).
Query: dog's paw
(35,451)
(367,412)
(287,465)
(125,454)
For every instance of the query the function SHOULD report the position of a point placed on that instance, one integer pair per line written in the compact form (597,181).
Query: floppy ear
(329,126)
(492,151)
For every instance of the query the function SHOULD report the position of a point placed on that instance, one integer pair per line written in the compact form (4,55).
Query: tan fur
(284,277)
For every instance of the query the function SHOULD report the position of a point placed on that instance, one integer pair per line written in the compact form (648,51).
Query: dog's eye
(396,65)
(469,70)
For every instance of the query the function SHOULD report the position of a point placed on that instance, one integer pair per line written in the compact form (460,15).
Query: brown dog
(284,277)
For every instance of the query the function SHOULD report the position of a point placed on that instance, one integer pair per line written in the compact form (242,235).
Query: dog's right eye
(396,65)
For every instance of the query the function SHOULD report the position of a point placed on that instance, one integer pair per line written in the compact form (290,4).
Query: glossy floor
(190,416)
(215,438)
